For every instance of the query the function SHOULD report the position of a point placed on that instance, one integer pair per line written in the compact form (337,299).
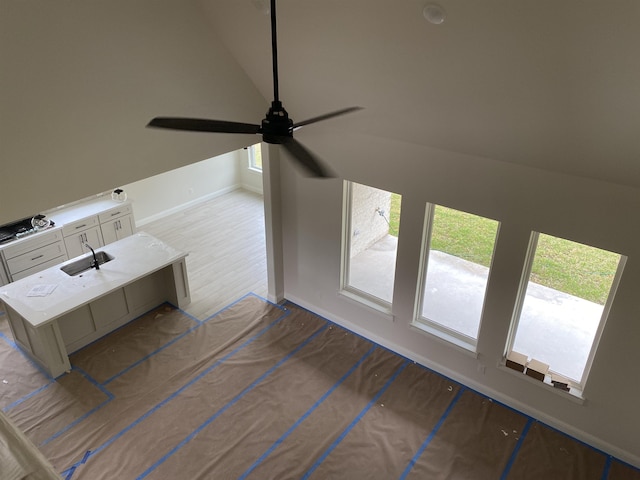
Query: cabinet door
(74,243)
(114,230)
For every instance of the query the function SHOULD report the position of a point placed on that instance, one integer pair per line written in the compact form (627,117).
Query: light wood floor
(226,244)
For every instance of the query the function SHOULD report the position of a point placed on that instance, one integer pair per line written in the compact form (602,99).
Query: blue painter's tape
(607,467)
(69,473)
(28,396)
(305,415)
(74,423)
(516,449)
(230,404)
(15,346)
(425,444)
(149,355)
(355,420)
(179,391)
(199,324)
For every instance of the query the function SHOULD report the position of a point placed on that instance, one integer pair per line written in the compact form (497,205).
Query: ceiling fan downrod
(276,126)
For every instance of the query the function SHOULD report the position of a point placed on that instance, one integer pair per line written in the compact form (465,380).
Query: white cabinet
(76,234)
(31,255)
(97,222)
(4,279)
(116,223)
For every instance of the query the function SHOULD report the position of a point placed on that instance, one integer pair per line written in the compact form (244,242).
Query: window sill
(574,394)
(465,347)
(382,310)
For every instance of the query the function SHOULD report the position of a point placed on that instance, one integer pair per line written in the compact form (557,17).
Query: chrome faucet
(95,264)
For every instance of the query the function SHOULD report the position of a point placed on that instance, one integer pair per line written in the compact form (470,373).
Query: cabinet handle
(114,214)
(81,226)
(36,258)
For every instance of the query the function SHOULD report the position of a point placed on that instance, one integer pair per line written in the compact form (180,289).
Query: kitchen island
(53,314)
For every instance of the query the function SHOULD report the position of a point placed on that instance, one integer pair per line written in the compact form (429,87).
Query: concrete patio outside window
(557,327)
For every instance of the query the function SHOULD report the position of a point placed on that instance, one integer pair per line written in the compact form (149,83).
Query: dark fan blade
(203,125)
(306,159)
(326,116)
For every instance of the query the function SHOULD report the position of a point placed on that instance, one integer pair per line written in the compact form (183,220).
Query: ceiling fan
(275,128)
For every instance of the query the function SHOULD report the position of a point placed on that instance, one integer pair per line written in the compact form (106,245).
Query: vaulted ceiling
(547,84)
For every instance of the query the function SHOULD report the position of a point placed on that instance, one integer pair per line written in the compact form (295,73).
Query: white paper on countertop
(41,290)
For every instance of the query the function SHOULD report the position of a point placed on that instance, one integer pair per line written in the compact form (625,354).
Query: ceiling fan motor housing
(277,125)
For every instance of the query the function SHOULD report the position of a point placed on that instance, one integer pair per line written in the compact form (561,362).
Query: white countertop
(134,257)
(65,215)
(62,216)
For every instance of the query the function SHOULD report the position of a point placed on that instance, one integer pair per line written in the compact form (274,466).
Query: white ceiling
(548,84)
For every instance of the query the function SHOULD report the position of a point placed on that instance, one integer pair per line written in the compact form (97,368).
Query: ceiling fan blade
(326,116)
(306,159)
(203,125)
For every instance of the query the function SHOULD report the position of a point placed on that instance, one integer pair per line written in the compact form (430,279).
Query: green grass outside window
(569,267)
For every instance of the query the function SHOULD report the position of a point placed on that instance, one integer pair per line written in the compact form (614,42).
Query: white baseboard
(578,434)
(252,189)
(178,208)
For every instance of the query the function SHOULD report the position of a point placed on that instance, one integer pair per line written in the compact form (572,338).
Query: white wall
(168,192)
(160,195)
(80,81)
(250,179)
(522,199)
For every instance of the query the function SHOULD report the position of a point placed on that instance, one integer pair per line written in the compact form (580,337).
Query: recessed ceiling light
(434,13)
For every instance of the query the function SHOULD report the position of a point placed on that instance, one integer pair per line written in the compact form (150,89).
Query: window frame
(251,150)
(432,327)
(376,303)
(521,296)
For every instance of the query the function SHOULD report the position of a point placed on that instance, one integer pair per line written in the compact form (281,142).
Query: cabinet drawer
(32,243)
(38,268)
(113,213)
(35,258)
(79,225)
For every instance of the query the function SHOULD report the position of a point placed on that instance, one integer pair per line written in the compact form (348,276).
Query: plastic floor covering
(261,391)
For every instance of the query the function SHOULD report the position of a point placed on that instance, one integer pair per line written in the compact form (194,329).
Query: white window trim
(522,292)
(603,319)
(428,325)
(251,157)
(347,290)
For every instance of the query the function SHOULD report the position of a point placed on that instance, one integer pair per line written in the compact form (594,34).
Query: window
(370,238)
(565,297)
(457,253)
(255,157)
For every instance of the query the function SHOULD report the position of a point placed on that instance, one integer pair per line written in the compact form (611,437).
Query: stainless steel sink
(85,263)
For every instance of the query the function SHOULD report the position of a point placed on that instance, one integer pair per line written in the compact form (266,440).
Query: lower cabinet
(32,255)
(117,229)
(96,223)
(103,315)
(75,242)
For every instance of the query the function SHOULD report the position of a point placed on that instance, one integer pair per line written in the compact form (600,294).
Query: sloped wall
(80,80)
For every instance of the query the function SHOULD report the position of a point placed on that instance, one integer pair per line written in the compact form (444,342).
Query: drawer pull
(81,226)
(36,258)
(114,214)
